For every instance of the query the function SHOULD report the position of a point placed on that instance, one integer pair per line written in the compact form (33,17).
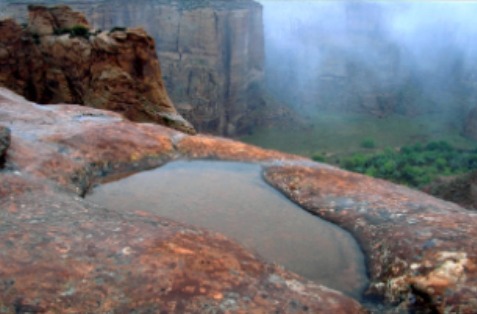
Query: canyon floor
(337,133)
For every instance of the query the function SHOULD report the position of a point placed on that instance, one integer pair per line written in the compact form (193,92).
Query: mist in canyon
(378,57)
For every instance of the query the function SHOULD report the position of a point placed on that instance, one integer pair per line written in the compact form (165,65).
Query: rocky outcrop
(420,250)
(57,59)
(63,254)
(211,54)
(4,143)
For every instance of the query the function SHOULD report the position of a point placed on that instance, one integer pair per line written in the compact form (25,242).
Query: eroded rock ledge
(64,254)
(58,58)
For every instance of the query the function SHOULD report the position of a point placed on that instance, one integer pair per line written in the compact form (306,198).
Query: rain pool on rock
(232,198)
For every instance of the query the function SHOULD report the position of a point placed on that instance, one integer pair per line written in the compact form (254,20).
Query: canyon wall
(211,53)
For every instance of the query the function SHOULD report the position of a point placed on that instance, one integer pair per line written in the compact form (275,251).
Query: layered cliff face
(212,60)
(57,58)
(211,54)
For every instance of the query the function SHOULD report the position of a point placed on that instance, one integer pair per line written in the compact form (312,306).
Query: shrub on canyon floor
(414,165)
(368,143)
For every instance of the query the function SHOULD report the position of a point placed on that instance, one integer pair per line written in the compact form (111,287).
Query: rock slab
(62,254)
(421,251)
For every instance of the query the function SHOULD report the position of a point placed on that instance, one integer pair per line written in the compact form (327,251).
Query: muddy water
(232,198)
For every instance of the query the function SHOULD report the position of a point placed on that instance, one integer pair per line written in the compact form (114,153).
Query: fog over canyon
(376,57)
(381,57)
(124,186)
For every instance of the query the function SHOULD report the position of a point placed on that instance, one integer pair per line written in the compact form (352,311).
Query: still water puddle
(231,198)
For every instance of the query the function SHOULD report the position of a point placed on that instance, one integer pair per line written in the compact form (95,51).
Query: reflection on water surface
(231,198)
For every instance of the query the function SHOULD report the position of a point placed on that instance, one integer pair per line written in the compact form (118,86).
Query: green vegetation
(75,31)
(368,143)
(318,157)
(118,29)
(79,31)
(415,165)
(407,150)
(337,134)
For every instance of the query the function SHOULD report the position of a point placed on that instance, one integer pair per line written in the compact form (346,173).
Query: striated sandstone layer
(56,59)
(211,52)
(421,251)
(62,254)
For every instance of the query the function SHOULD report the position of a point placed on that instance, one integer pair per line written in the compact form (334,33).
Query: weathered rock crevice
(4,143)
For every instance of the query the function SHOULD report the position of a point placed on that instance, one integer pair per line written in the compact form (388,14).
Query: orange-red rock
(211,53)
(421,250)
(62,254)
(56,59)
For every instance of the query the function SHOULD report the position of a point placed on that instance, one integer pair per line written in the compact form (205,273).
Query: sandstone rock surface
(56,59)
(420,250)
(63,254)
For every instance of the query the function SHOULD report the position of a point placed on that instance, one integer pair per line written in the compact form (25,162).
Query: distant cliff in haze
(375,57)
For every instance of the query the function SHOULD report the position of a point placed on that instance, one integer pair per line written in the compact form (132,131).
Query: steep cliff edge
(211,53)
(57,59)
